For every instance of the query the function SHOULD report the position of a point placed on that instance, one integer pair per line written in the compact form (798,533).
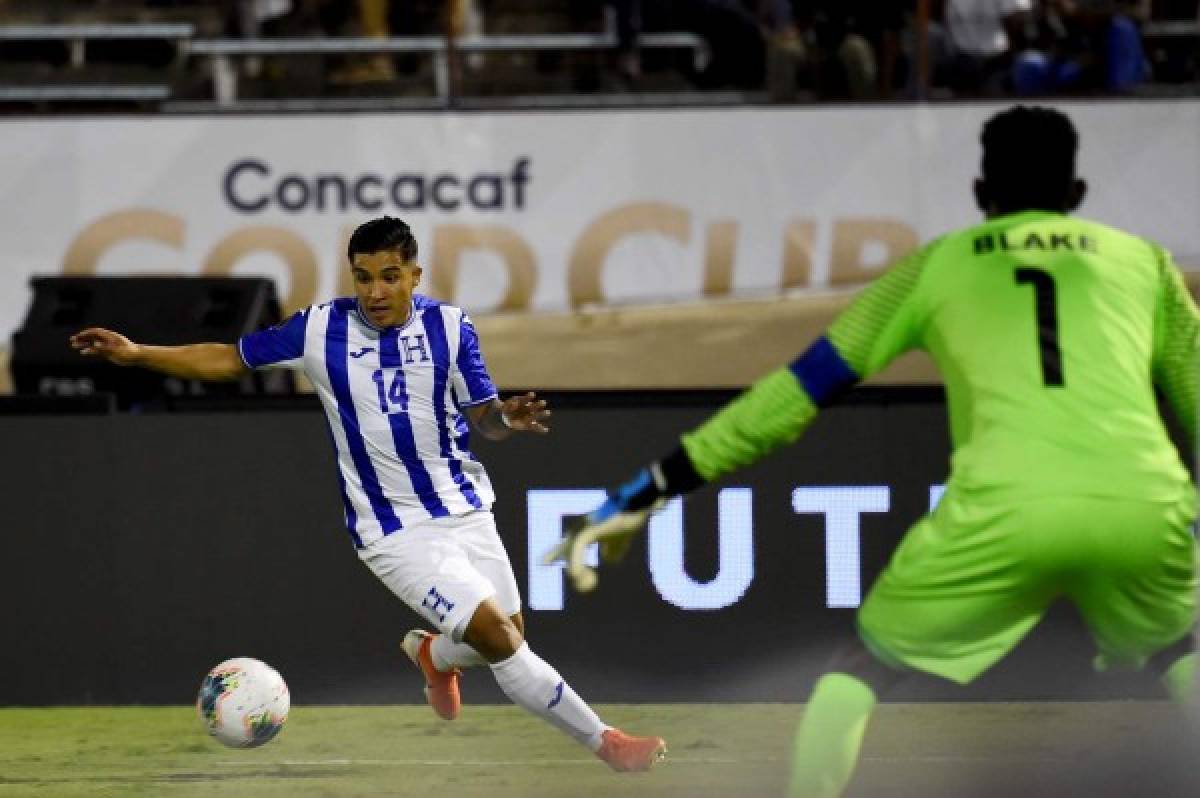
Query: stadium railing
(1165,28)
(221,53)
(224,75)
(77,38)
(79,35)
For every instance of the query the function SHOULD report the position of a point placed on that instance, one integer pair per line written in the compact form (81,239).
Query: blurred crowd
(792,49)
(1027,47)
(874,49)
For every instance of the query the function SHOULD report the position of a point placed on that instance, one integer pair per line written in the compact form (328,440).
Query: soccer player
(395,371)
(1052,334)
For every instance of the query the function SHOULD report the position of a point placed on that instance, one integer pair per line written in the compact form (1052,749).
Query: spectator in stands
(625,18)
(365,18)
(276,19)
(371,17)
(1100,45)
(981,42)
(628,17)
(854,46)
(732,31)
(253,18)
(787,51)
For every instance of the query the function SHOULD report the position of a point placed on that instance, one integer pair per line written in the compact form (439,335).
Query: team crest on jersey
(413,349)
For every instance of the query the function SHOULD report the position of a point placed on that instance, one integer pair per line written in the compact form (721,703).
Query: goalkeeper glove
(624,514)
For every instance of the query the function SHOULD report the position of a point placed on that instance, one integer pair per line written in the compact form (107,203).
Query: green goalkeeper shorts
(971,579)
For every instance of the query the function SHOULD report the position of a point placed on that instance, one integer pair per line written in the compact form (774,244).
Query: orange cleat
(441,687)
(626,753)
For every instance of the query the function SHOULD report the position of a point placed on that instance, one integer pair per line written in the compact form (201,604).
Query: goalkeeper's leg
(1177,668)
(834,722)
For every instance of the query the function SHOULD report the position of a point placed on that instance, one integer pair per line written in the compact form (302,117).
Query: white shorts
(444,568)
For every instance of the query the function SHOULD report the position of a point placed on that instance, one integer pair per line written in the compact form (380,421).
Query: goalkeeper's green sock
(830,735)
(1180,679)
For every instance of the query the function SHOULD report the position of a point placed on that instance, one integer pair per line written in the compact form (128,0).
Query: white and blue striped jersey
(393,399)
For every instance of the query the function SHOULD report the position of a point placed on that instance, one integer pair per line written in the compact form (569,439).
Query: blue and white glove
(614,525)
(624,514)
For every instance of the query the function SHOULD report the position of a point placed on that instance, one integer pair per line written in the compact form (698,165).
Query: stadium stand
(64,54)
(189,56)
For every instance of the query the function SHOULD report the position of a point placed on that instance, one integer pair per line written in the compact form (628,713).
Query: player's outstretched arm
(775,411)
(212,362)
(521,413)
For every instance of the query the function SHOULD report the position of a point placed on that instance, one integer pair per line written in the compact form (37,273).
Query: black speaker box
(150,310)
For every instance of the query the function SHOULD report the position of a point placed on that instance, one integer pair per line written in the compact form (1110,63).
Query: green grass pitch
(737,750)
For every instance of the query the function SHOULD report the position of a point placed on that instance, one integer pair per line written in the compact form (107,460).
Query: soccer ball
(243,702)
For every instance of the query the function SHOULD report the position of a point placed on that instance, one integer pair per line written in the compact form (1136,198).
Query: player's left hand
(526,413)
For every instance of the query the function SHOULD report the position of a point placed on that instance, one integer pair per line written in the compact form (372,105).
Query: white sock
(447,654)
(536,687)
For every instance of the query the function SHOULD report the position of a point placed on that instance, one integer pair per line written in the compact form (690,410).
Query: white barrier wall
(540,211)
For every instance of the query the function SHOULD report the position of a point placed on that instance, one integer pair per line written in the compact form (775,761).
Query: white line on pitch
(502,763)
(669,760)
(475,762)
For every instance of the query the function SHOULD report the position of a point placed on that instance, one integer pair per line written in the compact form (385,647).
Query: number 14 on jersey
(393,398)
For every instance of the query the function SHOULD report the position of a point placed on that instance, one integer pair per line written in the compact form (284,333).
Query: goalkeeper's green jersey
(1051,334)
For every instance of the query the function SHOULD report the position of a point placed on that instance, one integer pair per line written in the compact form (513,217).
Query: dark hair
(1029,159)
(378,235)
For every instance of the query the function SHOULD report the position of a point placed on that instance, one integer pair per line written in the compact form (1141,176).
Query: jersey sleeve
(1176,345)
(281,346)
(472,383)
(771,413)
(879,324)
(883,321)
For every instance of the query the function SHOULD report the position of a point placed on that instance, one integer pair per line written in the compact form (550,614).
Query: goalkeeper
(1052,334)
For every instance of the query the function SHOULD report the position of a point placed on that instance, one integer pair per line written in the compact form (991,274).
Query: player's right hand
(112,346)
